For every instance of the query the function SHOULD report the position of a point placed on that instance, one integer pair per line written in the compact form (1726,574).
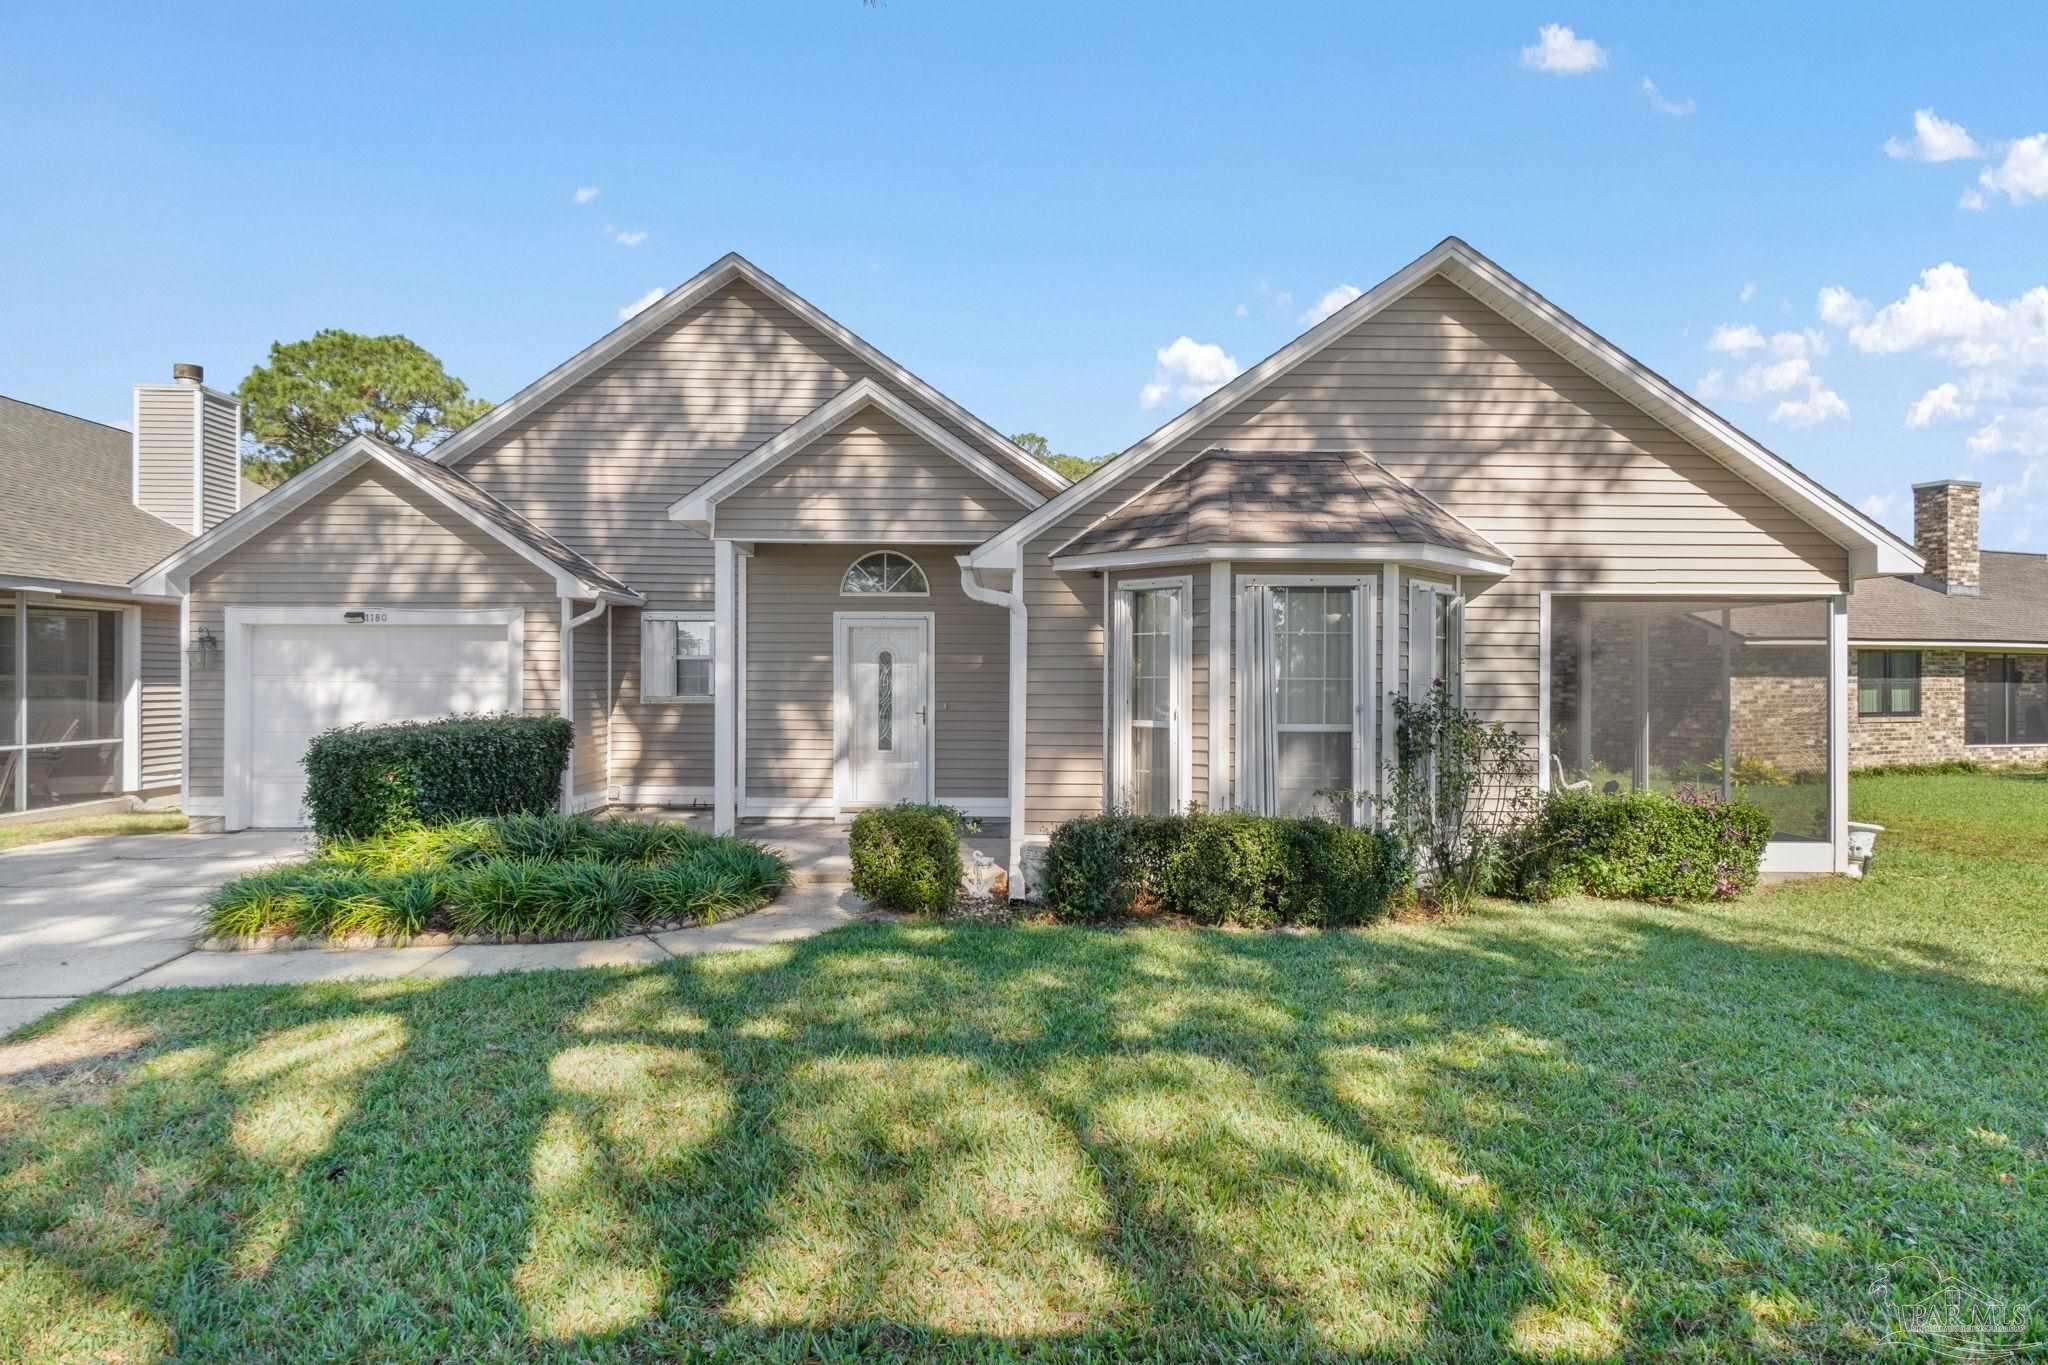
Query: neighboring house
(803,581)
(89,667)
(1952,663)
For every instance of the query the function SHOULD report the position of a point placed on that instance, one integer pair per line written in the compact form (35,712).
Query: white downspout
(1011,600)
(568,701)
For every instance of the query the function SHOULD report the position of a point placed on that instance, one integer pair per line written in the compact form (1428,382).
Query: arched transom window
(885,574)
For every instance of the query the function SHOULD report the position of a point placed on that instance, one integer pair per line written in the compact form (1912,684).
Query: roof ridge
(59,412)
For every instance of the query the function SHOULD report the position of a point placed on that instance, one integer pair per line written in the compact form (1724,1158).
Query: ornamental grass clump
(514,876)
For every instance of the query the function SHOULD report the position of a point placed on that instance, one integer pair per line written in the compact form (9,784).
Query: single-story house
(90,667)
(768,570)
(1952,663)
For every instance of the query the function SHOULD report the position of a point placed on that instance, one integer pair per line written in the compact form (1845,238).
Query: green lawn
(1792,1127)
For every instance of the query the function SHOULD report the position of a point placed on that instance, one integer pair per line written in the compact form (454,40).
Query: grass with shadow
(1781,1128)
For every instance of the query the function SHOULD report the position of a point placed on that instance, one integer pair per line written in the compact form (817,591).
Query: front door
(885,709)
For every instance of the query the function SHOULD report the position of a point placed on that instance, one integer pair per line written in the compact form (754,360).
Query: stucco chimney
(187,451)
(1945,533)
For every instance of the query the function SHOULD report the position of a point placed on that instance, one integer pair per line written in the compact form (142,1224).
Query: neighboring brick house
(1953,663)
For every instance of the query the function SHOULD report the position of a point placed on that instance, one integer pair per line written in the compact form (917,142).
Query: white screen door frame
(844,786)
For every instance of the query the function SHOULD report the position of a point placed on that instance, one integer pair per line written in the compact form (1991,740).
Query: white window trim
(842,698)
(1365,669)
(1422,636)
(235,652)
(883,596)
(1117,750)
(672,698)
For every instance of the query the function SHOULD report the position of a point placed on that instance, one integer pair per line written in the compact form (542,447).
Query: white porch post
(1390,672)
(725,688)
(131,699)
(1838,729)
(1222,612)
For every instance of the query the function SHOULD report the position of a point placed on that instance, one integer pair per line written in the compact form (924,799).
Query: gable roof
(685,296)
(698,507)
(574,575)
(1235,502)
(1872,549)
(68,515)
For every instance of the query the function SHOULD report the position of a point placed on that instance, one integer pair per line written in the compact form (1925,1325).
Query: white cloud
(1562,52)
(2022,174)
(1663,104)
(641,304)
(1785,373)
(1188,371)
(1748,292)
(1244,310)
(1734,338)
(1941,312)
(1330,303)
(2023,431)
(1840,308)
(626,237)
(586,193)
(1973,200)
(1934,139)
(1882,506)
(1942,403)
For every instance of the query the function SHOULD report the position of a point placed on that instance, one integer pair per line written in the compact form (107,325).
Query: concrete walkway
(121,913)
(85,915)
(801,912)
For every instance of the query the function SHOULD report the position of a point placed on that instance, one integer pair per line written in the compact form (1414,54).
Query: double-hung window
(1304,658)
(1149,690)
(1888,682)
(678,653)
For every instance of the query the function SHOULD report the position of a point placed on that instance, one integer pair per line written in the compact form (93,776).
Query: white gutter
(1012,600)
(568,700)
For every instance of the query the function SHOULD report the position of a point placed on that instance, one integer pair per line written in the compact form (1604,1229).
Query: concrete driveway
(85,915)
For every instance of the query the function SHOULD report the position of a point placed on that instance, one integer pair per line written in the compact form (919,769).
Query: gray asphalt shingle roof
(67,513)
(2013,606)
(1305,497)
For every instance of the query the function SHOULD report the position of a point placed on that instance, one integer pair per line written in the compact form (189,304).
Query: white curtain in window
(1302,672)
(657,659)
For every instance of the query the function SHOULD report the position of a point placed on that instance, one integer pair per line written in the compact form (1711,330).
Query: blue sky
(1030,204)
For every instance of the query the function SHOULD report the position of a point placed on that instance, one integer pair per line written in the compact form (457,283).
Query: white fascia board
(64,587)
(2003,646)
(173,574)
(698,507)
(680,300)
(1421,556)
(1872,550)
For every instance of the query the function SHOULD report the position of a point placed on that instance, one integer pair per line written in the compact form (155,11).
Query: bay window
(1436,640)
(1150,682)
(1304,658)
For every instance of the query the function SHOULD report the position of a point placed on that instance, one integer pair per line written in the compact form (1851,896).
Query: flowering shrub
(1690,846)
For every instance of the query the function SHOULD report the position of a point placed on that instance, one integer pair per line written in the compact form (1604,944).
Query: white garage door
(303,679)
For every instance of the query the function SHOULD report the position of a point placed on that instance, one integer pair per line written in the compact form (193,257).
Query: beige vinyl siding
(1577,484)
(372,540)
(792,593)
(165,422)
(600,465)
(591,711)
(223,463)
(868,479)
(162,717)
(657,744)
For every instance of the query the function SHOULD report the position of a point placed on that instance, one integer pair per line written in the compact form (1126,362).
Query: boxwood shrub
(1223,868)
(907,857)
(1640,846)
(361,779)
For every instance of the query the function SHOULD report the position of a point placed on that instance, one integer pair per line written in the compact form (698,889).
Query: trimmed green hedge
(1639,846)
(1225,868)
(361,779)
(552,876)
(907,857)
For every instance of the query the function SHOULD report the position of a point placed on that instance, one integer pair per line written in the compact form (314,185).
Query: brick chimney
(1945,533)
(187,455)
